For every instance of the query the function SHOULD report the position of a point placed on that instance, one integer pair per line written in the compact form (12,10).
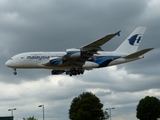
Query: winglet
(118,33)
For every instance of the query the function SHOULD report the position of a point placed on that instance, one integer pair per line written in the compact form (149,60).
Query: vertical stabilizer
(131,44)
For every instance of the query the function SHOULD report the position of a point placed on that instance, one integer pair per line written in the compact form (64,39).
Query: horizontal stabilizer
(139,53)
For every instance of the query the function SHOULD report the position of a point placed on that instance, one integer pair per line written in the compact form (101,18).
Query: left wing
(101,41)
(88,50)
(76,57)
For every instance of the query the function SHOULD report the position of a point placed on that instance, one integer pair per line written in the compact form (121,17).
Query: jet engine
(55,61)
(73,52)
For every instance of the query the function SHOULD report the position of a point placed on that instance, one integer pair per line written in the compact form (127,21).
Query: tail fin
(131,44)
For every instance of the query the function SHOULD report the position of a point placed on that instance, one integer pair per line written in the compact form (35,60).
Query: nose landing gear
(15,73)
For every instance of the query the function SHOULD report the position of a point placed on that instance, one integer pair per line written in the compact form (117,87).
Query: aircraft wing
(101,41)
(76,57)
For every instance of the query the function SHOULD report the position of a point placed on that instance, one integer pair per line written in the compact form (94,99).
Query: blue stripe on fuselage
(104,61)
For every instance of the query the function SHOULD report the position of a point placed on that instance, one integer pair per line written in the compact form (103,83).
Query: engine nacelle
(55,61)
(73,53)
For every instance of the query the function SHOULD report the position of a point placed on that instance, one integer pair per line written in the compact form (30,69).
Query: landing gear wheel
(15,73)
(52,72)
(70,74)
(75,71)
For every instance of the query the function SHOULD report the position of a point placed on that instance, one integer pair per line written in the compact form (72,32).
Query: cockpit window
(11,58)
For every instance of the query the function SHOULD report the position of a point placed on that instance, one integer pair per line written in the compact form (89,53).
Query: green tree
(30,118)
(148,108)
(86,107)
(106,115)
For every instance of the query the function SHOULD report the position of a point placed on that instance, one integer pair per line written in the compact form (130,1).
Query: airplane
(75,61)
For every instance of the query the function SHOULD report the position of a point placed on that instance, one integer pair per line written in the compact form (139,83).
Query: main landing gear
(75,71)
(15,73)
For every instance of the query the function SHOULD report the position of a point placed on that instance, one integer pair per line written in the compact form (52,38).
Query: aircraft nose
(8,63)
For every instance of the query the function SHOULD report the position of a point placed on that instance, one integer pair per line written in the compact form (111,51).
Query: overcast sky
(55,25)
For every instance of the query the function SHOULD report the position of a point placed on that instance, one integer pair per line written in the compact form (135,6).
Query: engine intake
(73,53)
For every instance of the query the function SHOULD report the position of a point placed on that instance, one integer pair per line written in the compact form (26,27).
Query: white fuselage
(39,59)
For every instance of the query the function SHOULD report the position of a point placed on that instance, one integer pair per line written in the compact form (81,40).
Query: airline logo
(135,40)
(38,57)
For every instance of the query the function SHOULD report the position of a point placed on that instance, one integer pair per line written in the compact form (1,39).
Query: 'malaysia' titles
(38,57)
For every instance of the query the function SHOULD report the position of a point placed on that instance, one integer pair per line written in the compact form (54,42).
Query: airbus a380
(75,61)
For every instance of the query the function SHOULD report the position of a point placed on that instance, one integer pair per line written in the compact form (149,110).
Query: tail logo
(135,40)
